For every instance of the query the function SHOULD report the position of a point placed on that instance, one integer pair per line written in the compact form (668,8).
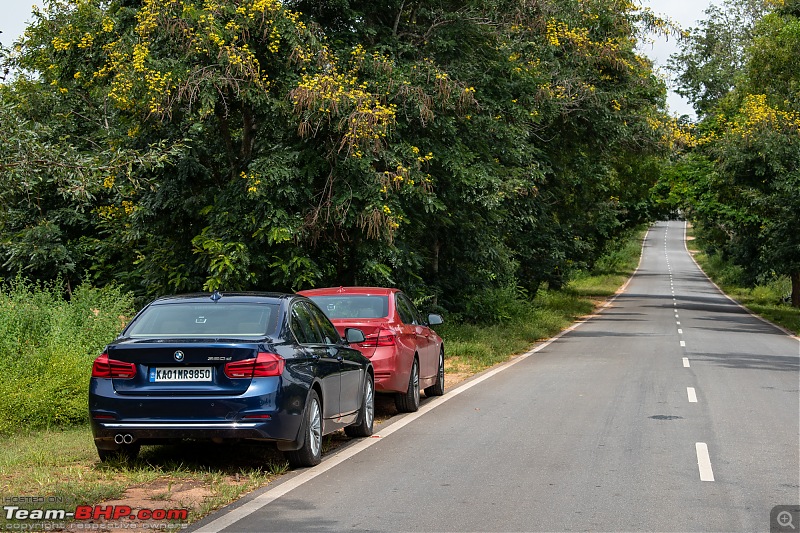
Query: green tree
(51,175)
(448,148)
(209,77)
(747,204)
(527,166)
(713,55)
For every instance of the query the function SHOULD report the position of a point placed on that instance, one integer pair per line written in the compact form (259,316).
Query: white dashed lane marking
(704,462)
(691,394)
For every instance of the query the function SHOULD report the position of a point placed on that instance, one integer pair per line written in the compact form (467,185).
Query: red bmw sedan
(405,352)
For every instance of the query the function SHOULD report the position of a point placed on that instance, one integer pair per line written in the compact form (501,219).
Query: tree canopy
(745,199)
(450,148)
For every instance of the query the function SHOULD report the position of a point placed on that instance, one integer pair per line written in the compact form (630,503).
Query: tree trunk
(437,247)
(248,129)
(350,277)
(795,288)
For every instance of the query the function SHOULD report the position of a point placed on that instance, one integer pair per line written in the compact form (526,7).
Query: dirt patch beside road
(198,497)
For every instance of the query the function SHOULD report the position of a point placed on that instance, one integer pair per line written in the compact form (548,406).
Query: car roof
(335,291)
(230,297)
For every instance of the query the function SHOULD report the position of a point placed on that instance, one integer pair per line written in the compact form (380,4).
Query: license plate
(196,373)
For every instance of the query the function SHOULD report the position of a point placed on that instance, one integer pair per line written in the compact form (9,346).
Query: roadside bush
(496,305)
(621,254)
(765,297)
(47,345)
(724,272)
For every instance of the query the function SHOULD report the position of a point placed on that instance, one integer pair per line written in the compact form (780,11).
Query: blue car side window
(301,325)
(329,333)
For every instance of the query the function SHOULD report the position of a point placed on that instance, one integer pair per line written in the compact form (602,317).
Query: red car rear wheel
(408,402)
(437,389)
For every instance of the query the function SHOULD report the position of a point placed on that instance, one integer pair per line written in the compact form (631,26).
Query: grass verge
(470,348)
(61,470)
(62,465)
(47,345)
(764,299)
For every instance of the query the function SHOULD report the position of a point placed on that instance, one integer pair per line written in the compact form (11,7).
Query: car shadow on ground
(230,459)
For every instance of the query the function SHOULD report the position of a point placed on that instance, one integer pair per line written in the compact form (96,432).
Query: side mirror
(435,320)
(354,336)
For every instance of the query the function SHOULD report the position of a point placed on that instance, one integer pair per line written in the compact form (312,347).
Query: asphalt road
(671,410)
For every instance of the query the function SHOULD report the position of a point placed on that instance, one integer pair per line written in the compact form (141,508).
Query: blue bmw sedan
(224,367)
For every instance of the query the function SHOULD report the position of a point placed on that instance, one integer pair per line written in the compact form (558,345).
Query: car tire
(126,452)
(437,389)
(310,454)
(408,402)
(366,416)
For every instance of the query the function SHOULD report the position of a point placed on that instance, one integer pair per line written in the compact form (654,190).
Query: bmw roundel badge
(178,356)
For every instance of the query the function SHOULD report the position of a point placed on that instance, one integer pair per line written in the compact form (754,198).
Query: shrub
(47,345)
(496,305)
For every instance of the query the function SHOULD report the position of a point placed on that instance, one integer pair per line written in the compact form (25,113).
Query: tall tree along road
(673,409)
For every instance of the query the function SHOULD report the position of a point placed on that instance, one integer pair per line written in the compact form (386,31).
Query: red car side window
(405,309)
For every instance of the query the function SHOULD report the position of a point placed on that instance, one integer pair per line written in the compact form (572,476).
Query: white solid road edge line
(328,463)
(704,462)
(246,509)
(745,309)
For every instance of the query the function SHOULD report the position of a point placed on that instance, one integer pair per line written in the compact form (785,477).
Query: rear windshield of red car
(200,319)
(353,306)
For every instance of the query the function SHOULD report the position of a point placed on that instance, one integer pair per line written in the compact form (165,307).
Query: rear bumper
(388,377)
(154,419)
(107,434)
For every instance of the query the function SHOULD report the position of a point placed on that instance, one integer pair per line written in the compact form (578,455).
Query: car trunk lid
(181,367)
(377,333)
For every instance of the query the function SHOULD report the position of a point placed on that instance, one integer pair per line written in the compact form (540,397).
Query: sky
(16,14)
(686,13)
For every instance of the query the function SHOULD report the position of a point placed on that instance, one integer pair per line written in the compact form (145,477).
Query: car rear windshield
(183,319)
(353,306)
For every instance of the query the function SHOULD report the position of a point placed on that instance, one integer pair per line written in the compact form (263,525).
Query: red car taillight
(384,337)
(103,367)
(264,365)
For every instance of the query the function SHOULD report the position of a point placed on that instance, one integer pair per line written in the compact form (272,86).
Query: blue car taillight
(103,367)
(264,365)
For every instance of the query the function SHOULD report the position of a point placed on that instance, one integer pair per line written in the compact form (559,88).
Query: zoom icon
(784,518)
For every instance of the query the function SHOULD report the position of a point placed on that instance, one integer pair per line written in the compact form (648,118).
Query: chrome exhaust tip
(119,438)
